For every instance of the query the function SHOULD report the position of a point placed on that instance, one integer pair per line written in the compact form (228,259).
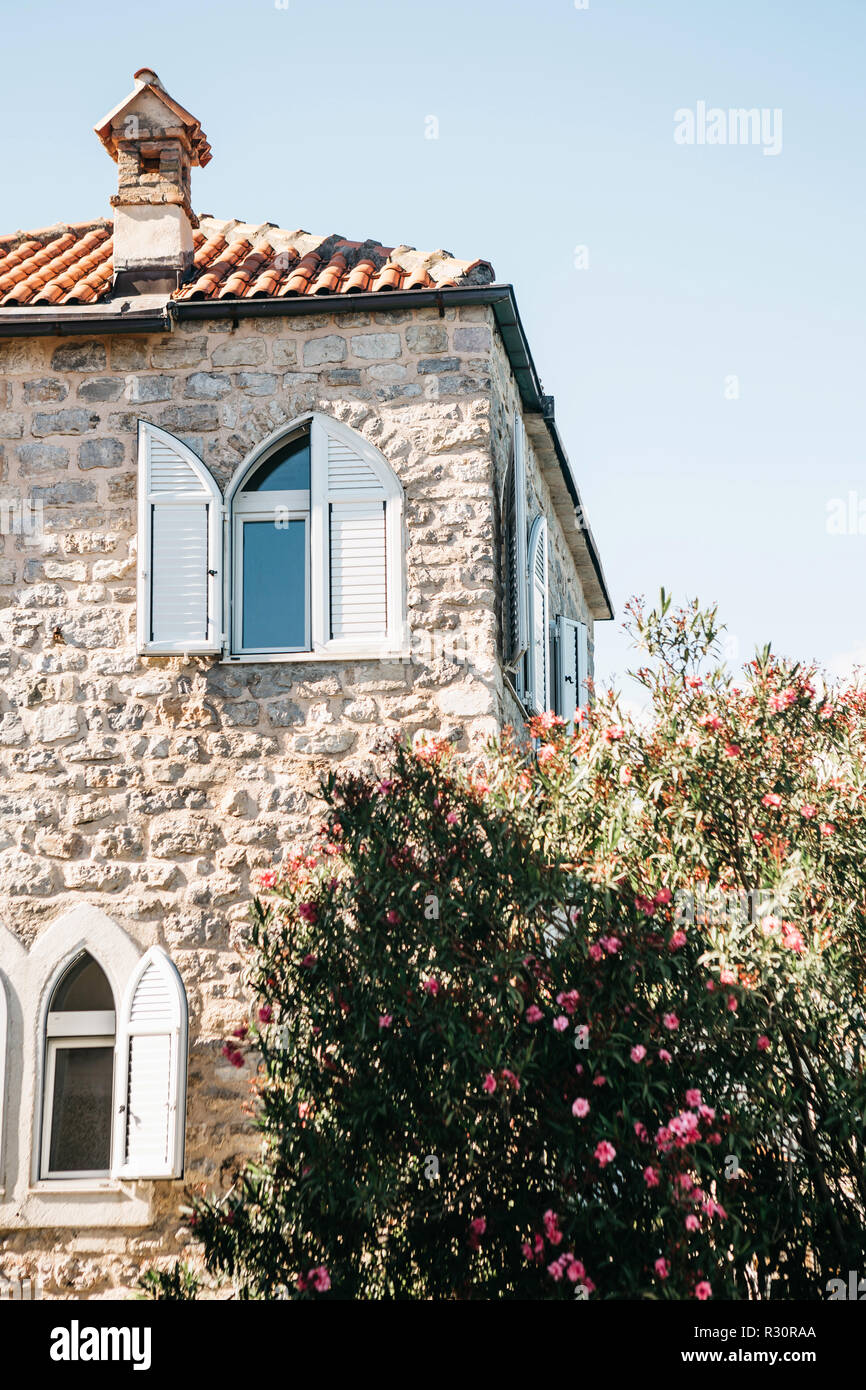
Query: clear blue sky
(556,131)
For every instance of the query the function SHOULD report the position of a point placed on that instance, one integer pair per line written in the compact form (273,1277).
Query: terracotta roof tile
(71,264)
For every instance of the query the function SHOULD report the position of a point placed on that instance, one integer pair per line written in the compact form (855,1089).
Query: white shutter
(359,601)
(150,1086)
(539,654)
(180,511)
(517,607)
(567,667)
(4,1024)
(582,665)
(358,579)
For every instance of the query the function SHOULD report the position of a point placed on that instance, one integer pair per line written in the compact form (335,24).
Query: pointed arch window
(79,1074)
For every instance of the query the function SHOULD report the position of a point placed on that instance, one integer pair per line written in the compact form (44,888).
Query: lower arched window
(79,1074)
(114,1075)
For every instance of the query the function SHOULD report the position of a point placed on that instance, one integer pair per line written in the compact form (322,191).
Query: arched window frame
(89,1029)
(322,429)
(538,656)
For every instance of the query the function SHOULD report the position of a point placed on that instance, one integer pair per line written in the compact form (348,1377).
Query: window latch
(212,572)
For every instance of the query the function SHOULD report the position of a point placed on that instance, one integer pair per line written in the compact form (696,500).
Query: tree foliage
(579,1020)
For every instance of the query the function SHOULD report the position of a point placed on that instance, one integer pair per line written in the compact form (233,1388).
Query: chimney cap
(148,77)
(146,80)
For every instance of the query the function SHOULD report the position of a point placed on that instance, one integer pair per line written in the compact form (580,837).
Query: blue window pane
(274,597)
(288,470)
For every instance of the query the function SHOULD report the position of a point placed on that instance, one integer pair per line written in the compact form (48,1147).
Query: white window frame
(320,643)
(250,507)
(70,1029)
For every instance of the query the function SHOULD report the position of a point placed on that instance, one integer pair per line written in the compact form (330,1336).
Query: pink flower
(792,938)
(693,1098)
(386,786)
(580,1109)
(662,1268)
(392,916)
(451,818)
(610,943)
(664,1055)
(614,733)
(710,721)
(772,801)
(568,1000)
(385,1020)
(309,960)
(663,896)
(638,1052)
(732,750)
(694,682)
(308,911)
(477,1227)
(692,1223)
(703,1290)
(677,940)
(645,905)
(510,1078)
(651,1177)
(489,1083)
(706,1112)
(320,1279)
(671,1022)
(556,1269)
(551,1227)
(605,1153)
(533,1014)
(232,1055)
(431,986)
(266,1013)
(808,811)
(732,1003)
(599,1081)
(640,1131)
(561,1023)
(763,1042)
(268,878)
(545,753)
(827,828)
(595,951)
(728,977)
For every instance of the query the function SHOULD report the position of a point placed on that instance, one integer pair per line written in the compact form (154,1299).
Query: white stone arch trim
(83,928)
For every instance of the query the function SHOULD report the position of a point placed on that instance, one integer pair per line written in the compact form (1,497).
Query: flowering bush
(496,1057)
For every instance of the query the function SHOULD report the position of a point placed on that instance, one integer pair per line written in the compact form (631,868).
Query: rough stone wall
(154,787)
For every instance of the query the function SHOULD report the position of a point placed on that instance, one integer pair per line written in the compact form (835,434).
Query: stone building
(263,495)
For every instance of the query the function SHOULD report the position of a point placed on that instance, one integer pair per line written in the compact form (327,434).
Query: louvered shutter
(358,579)
(4,1025)
(539,655)
(515,528)
(150,1090)
(567,668)
(180,527)
(582,665)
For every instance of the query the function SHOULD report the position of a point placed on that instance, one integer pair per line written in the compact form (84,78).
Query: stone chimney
(155,143)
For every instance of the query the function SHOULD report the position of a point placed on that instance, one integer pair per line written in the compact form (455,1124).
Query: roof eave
(118,317)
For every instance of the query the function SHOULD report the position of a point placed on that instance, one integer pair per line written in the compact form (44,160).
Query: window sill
(67,1185)
(371,654)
